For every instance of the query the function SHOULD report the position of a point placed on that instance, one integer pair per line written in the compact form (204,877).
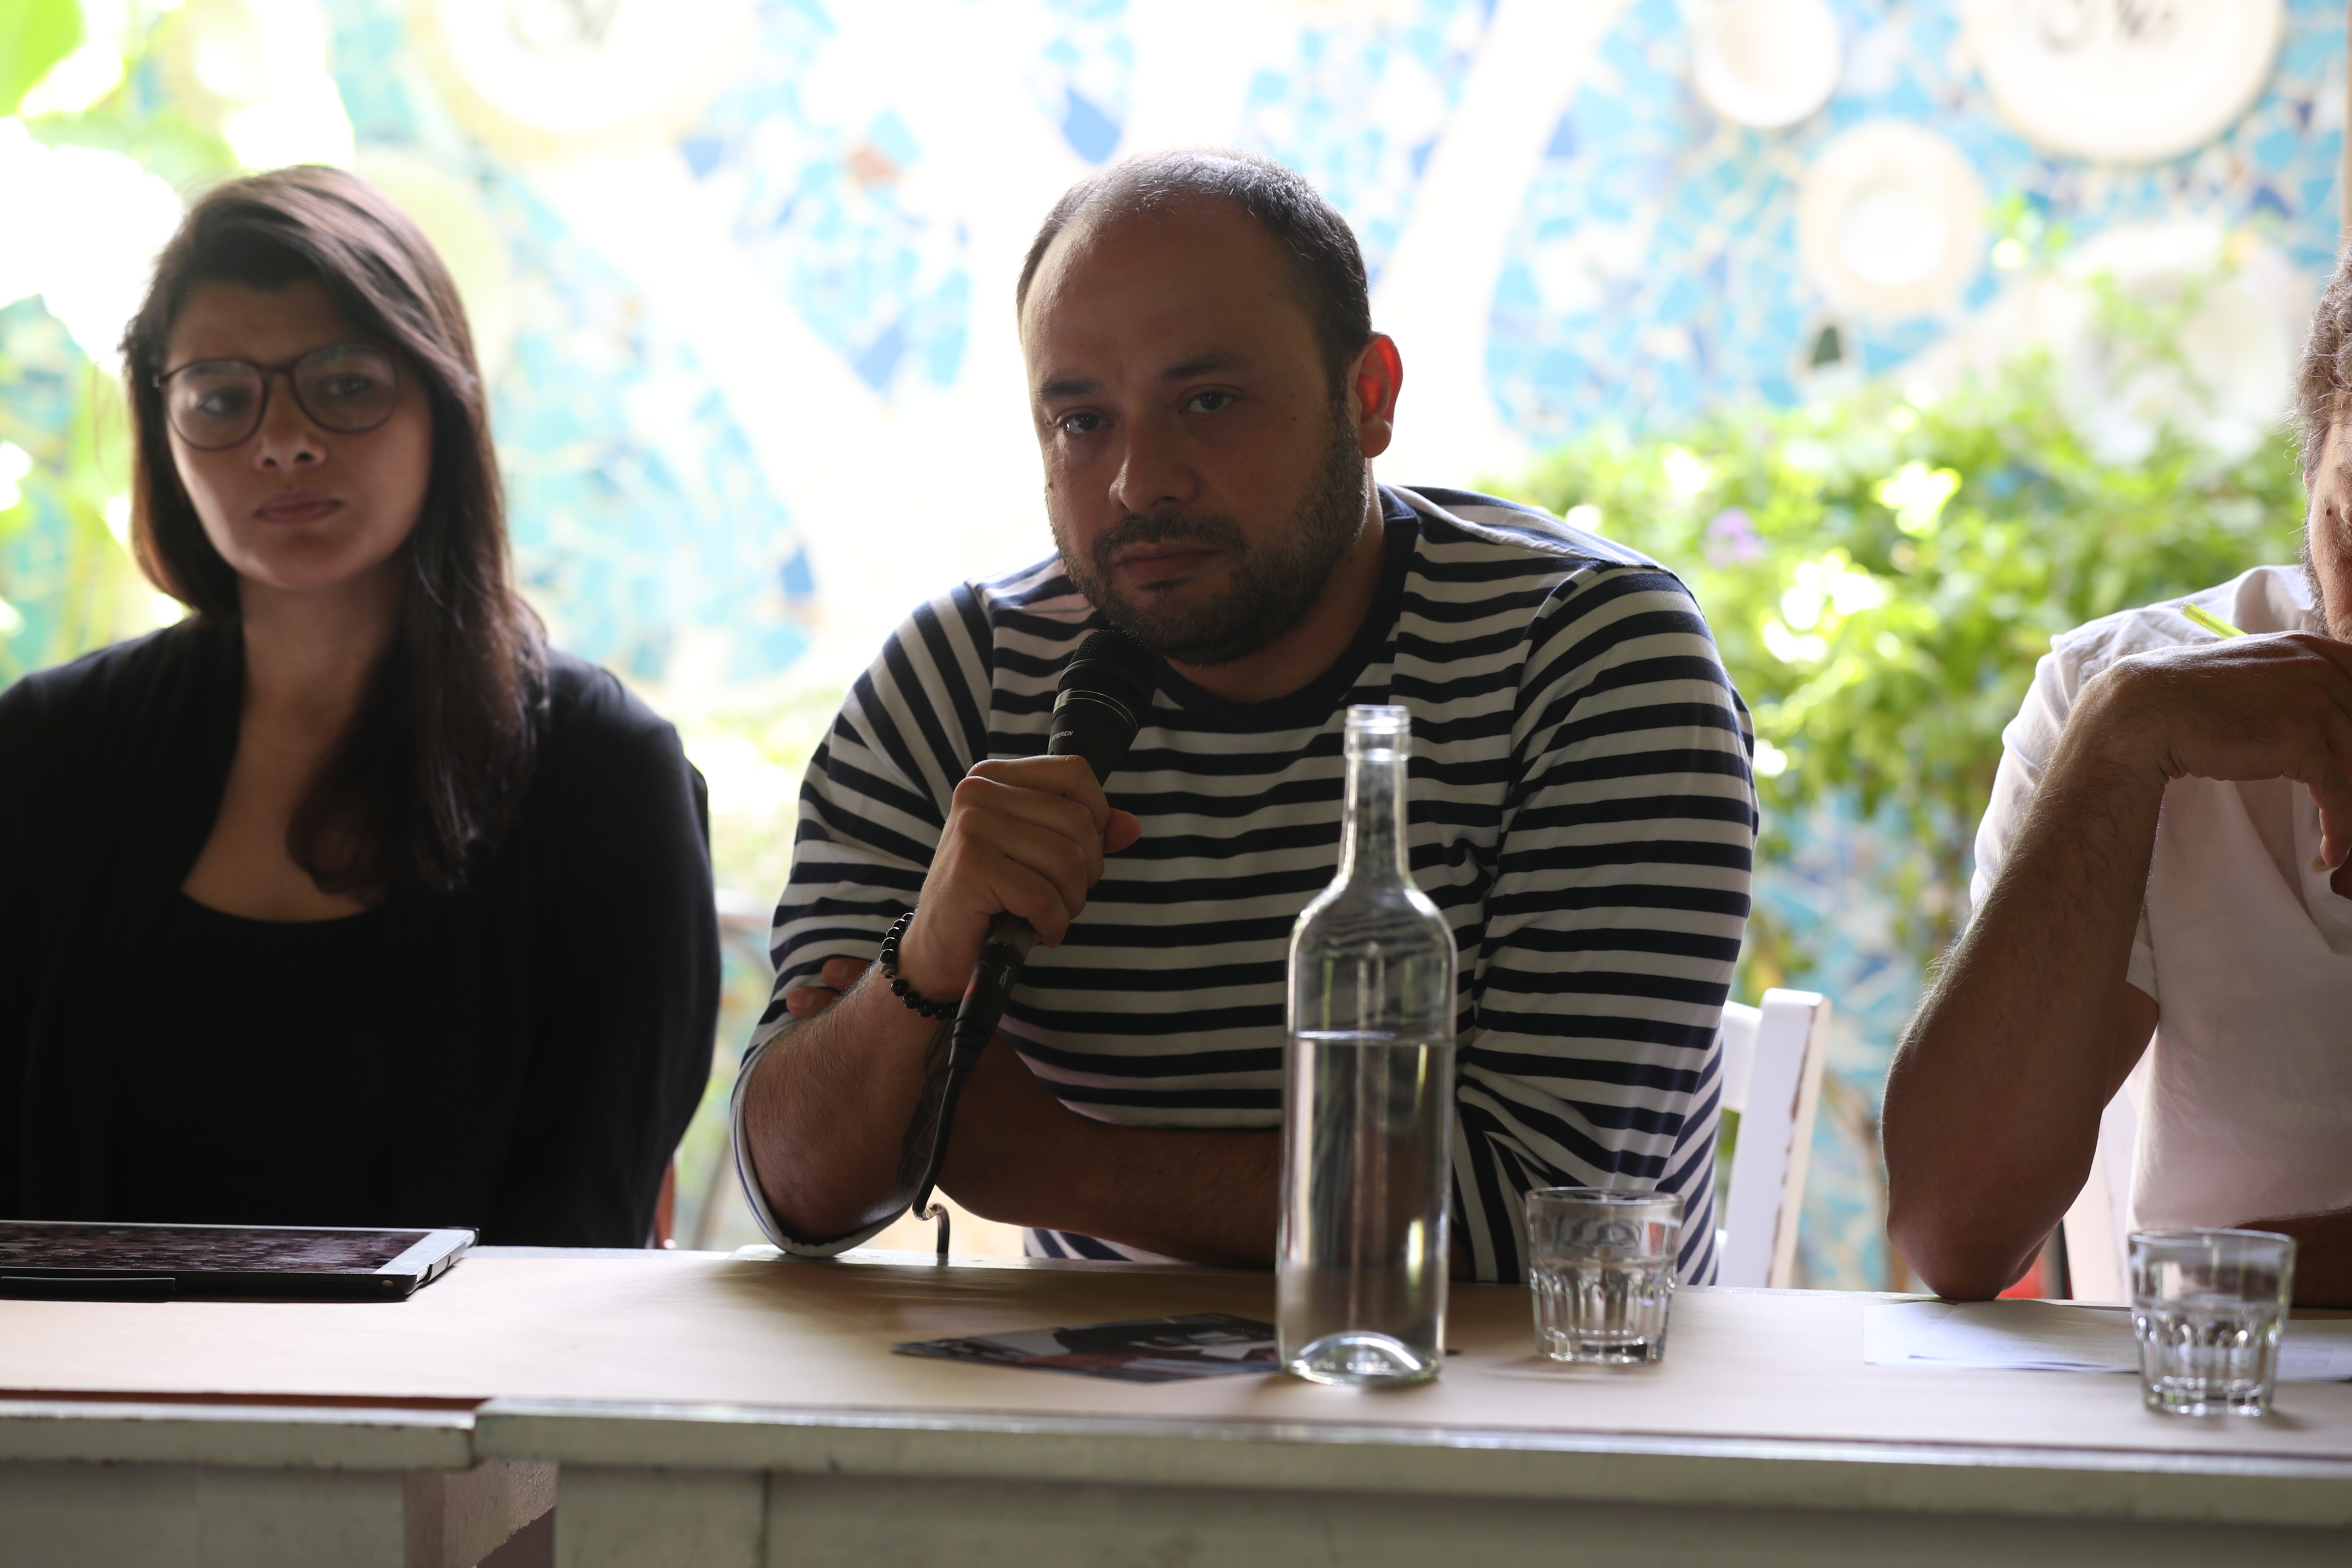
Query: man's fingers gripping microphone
(1065,780)
(1122,832)
(1105,693)
(1032,825)
(1044,902)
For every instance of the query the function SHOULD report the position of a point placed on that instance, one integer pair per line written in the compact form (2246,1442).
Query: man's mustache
(1166,527)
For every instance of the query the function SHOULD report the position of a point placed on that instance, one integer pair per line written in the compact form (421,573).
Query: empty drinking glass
(2207,1306)
(1600,1268)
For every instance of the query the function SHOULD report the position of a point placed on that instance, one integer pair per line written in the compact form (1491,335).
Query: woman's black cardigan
(558,1013)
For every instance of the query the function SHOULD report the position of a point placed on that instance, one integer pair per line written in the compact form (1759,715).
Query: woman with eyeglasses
(345,900)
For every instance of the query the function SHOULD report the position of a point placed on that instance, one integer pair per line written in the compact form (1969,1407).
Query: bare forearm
(2323,1255)
(826,1109)
(1992,1108)
(1206,1197)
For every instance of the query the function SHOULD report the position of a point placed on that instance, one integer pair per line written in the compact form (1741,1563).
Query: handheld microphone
(1098,705)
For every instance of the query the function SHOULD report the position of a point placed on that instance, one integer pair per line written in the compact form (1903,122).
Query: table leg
(457,1518)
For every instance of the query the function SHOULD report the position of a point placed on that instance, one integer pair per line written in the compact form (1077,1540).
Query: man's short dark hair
(1325,260)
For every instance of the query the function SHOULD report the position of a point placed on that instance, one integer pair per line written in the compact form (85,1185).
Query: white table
(709,1411)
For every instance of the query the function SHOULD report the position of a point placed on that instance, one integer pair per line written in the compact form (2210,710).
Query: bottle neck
(1372,833)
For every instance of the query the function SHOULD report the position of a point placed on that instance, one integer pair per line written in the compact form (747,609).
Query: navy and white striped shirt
(1581,811)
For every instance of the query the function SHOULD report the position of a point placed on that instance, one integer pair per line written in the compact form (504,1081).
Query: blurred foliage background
(64,526)
(1883,571)
(66,582)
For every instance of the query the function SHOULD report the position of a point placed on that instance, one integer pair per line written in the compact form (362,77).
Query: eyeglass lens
(346,387)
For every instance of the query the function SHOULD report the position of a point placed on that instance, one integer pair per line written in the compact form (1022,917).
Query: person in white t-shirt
(2163,870)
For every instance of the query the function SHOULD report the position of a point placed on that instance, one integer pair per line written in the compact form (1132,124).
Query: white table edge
(1453,1461)
(238,1435)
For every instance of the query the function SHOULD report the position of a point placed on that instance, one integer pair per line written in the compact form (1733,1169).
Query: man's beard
(1273,583)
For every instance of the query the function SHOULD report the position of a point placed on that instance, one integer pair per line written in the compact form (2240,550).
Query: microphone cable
(1098,705)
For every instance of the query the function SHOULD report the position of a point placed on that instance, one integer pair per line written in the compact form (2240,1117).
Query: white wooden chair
(1772,1077)
(2098,1225)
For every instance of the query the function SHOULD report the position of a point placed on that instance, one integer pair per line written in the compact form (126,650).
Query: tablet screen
(94,1260)
(204,1248)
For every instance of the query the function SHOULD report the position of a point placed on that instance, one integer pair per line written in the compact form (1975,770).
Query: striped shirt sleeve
(1614,921)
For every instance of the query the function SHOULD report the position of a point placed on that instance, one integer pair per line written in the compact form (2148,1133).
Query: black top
(248,1090)
(537,1042)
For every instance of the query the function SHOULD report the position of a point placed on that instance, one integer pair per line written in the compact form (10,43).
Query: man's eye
(1209,401)
(1080,424)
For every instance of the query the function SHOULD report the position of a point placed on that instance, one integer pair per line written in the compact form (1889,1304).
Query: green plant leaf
(1882,577)
(34,35)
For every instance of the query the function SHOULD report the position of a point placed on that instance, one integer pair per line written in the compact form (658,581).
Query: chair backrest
(1772,1077)
(2098,1225)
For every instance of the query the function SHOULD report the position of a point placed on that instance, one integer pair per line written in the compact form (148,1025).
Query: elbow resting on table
(1959,1257)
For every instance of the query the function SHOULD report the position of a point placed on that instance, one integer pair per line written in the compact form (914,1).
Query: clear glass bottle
(1368,1097)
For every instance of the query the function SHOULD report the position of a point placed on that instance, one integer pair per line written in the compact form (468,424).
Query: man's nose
(288,437)
(1154,472)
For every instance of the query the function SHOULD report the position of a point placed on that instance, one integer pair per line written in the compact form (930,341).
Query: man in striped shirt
(1207,392)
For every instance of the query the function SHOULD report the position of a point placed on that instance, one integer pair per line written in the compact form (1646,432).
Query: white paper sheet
(2057,1336)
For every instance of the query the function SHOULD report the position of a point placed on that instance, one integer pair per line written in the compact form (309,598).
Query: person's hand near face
(2241,710)
(2245,708)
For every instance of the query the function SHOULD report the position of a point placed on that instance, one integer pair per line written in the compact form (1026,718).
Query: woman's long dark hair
(427,773)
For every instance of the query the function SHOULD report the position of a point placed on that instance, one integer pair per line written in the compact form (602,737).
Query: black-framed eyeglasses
(215,404)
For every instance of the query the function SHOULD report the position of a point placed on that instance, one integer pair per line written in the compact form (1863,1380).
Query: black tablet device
(81,1260)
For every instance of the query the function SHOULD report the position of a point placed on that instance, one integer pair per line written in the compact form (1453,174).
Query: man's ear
(1373,385)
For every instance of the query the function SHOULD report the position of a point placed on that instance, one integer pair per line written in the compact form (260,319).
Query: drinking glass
(2207,1306)
(1600,1268)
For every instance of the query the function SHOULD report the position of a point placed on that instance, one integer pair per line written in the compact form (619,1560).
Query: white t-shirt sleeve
(2026,747)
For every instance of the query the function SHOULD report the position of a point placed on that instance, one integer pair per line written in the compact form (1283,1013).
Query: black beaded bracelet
(899,986)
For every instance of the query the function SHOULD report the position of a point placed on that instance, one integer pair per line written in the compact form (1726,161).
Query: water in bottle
(1368,1096)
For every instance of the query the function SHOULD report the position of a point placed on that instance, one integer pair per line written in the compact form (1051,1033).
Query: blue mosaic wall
(1700,296)
(1360,112)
